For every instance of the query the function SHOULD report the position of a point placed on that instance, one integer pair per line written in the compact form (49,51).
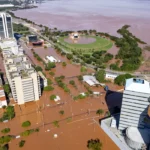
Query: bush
(83,69)
(80,78)
(56,123)
(94,144)
(6,130)
(52,97)
(64,64)
(27,132)
(48,88)
(72,82)
(49,81)
(69,56)
(26,124)
(37,130)
(61,112)
(52,73)
(21,143)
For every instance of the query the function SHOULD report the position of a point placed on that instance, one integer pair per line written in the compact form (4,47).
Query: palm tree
(100,112)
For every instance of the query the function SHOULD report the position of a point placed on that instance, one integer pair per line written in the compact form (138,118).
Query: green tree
(56,123)
(49,81)
(38,68)
(26,124)
(120,80)
(69,56)
(37,130)
(61,112)
(21,143)
(72,82)
(100,112)
(6,130)
(52,73)
(64,64)
(6,88)
(50,65)
(52,97)
(94,144)
(48,88)
(100,75)
(83,69)
(5,147)
(80,78)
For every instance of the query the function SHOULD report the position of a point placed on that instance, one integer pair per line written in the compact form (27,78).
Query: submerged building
(135,103)
(6,28)
(23,79)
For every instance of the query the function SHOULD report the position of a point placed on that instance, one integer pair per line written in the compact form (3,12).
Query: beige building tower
(23,79)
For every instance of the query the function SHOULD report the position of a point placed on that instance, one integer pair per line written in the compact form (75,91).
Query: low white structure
(110,76)
(3,101)
(90,80)
(6,5)
(57,98)
(113,123)
(137,138)
(43,79)
(52,59)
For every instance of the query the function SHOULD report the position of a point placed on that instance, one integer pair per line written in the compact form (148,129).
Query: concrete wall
(115,139)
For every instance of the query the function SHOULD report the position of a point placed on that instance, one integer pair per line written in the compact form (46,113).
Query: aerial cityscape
(74,75)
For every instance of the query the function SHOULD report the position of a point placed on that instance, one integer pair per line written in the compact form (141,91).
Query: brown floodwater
(80,40)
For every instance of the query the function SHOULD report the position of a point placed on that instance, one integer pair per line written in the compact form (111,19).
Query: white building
(43,79)
(10,47)
(135,103)
(23,79)
(6,29)
(3,101)
(52,59)
(110,76)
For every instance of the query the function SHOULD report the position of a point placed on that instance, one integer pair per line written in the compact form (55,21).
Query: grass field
(98,44)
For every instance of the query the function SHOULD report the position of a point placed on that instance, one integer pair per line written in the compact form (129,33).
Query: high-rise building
(23,79)
(6,28)
(135,103)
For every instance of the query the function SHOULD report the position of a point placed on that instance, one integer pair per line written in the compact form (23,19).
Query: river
(102,15)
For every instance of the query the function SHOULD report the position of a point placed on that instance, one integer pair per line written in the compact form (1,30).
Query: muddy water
(81,40)
(103,15)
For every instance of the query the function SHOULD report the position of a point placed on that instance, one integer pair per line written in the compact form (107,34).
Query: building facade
(23,79)
(6,28)
(135,103)
(3,101)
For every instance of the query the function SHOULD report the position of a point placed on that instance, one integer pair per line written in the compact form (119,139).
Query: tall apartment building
(23,79)
(135,103)
(6,28)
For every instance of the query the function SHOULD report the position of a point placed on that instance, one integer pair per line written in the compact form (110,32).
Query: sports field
(89,47)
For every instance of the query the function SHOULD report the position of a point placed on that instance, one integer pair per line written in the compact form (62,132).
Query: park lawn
(99,44)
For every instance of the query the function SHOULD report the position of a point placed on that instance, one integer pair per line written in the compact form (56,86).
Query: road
(35,31)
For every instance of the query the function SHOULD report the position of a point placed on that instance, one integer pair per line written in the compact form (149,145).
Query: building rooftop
(137,85)
(18,66)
